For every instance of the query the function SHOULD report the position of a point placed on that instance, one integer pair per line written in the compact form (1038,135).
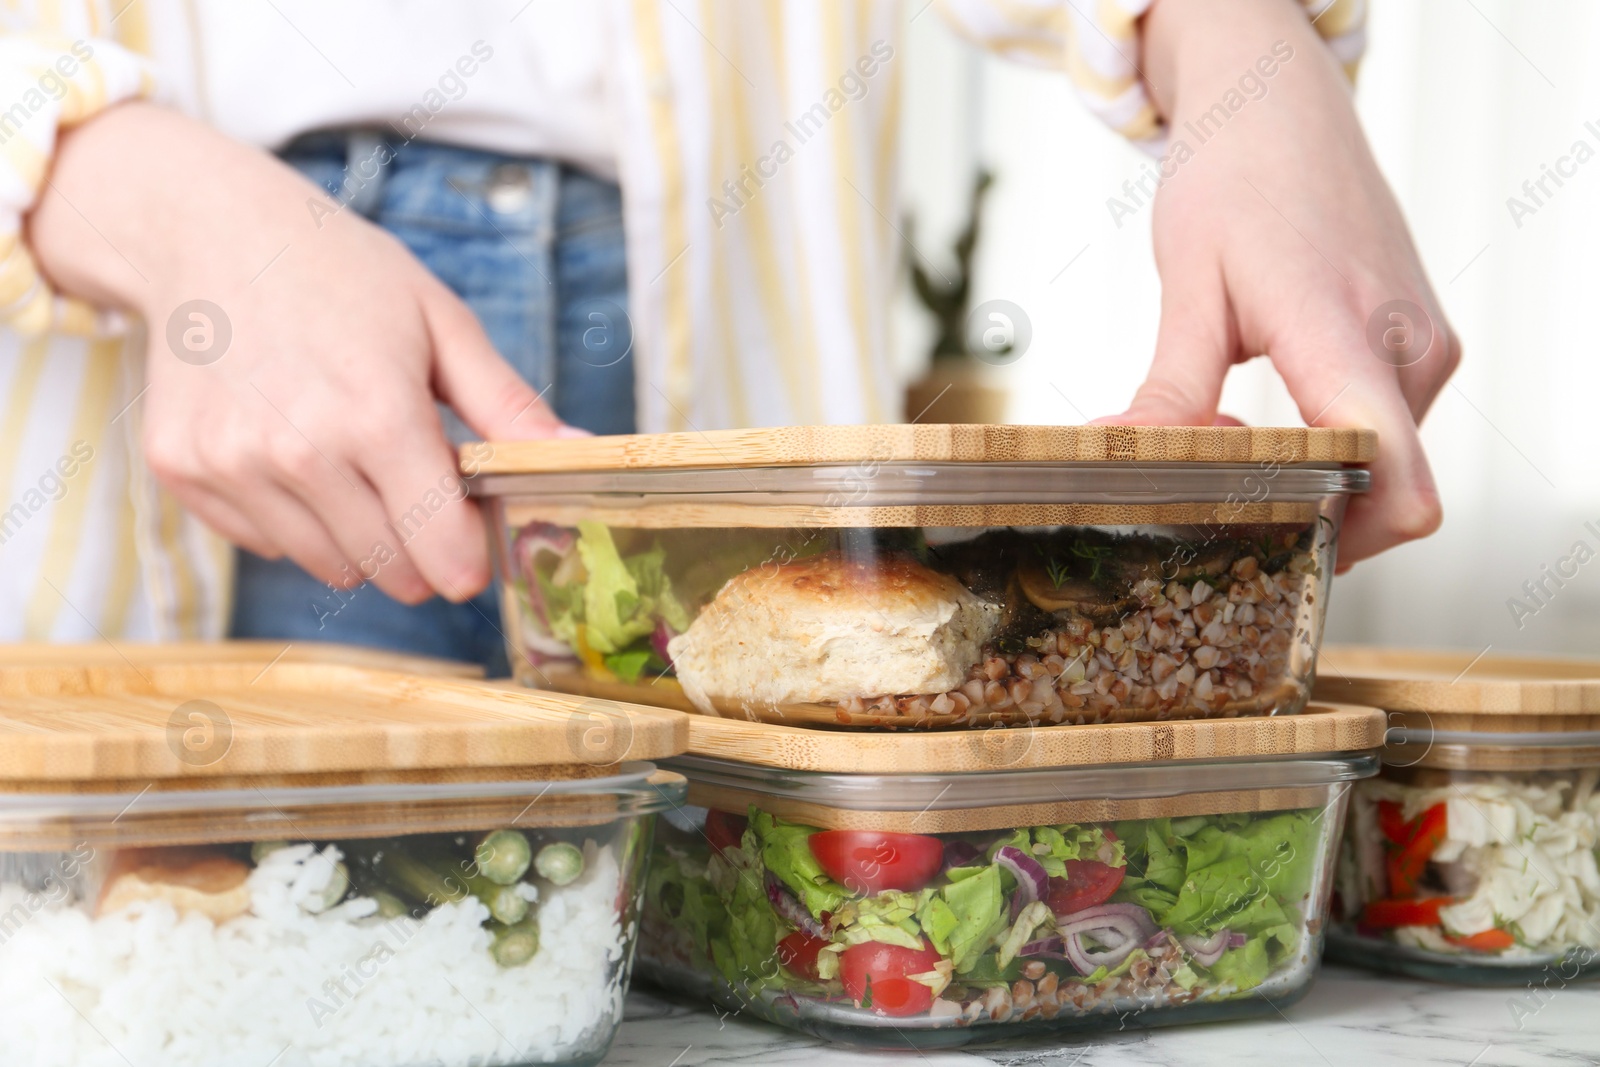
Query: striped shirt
(757,146)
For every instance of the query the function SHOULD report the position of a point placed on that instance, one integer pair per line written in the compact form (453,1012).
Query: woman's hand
(313,434)
(1277,235)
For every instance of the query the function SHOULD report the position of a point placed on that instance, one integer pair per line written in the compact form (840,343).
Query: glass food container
(1472,857)
(226,862)
(936,889)
(929,576)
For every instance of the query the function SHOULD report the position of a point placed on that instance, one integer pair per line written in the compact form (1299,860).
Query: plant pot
(956,390)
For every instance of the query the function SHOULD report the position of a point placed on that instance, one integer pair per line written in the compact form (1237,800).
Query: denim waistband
(370,159)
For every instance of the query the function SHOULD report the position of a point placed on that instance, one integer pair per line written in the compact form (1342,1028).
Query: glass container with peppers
(935,889)
(1473,856)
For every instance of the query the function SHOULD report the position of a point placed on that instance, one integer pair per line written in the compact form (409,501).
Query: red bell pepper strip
(1386,914)
(1486,941)
(1394,826)
(1424,835)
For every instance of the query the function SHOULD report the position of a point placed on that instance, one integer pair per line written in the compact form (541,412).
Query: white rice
(149,988)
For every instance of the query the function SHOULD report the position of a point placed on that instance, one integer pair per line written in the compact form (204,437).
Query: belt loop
(366,170)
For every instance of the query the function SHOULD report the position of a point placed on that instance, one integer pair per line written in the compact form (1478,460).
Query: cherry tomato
(725,830)
(881,971)
(1088,883)
(1385,914)
(1485,941)
(798,952)
(867,861)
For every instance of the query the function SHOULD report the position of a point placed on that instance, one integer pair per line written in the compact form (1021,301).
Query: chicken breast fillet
(826,628)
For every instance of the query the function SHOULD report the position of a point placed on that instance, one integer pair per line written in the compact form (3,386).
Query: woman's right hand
(313,433)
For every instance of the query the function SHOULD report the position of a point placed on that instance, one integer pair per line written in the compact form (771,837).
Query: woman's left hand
(1276,234)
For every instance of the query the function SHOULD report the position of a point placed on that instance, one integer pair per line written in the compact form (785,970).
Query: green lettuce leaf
(1246,966)
(786,851)
(628,666)
(1053,846)
(1241,872)
(889,917)
(611,595)
(938,922)
(980,912)
(622,598)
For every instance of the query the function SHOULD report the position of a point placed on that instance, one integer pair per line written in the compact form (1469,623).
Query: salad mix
(1040,922)
(1489,867)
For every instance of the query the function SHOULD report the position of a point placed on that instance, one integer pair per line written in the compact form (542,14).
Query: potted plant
(959,386)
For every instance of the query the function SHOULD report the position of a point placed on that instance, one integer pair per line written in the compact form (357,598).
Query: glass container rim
(1556,739)
(961,790)
(868,484)
(633,787)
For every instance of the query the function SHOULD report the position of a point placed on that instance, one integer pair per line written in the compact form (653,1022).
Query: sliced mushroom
(1072,596)
(1134,559)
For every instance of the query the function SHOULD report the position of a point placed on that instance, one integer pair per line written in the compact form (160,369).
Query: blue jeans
(535,249)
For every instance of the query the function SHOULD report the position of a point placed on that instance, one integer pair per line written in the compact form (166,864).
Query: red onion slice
(1049,948)
(1103,915)
(533,541)
(1032,881)
(1120,929)
(659,638)
(790,909)
(1206,950)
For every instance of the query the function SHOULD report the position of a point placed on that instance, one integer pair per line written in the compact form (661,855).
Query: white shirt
(478,73)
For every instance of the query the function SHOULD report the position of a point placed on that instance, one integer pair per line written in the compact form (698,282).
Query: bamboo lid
(1501,692)
(925,443)
(1461,711)
(1321,728)
(38,657)
(230,713)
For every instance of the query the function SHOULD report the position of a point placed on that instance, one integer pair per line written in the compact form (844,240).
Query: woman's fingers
(433,522)
(225,519)
(293,526)
(479,385)
(1337,382)
(352,513)
(1414,338)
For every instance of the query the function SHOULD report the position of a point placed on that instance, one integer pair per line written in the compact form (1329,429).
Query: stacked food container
(937,889)
(1001,724)
(1472,857)
(240,855)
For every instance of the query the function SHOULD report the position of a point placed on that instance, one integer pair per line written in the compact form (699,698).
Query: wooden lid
(262,653)
(229,712)
(1478,690)
(926,443)
(1321,728)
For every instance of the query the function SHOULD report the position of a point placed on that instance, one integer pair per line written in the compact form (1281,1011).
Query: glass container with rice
(322,859)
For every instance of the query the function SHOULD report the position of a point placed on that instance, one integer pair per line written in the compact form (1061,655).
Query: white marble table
(1349,1017)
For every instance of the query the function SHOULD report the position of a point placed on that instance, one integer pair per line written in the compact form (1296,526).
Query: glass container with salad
(220,862)
(1474,856)
(934,890)
(924,576)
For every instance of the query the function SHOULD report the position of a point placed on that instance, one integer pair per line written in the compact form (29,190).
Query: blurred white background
(1463,101)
